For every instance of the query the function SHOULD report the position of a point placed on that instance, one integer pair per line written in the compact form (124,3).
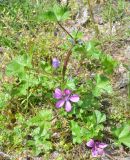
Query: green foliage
(91,127)
(56,14)
(26,97)
(18,66)
(122,134)
(21,67)
(77,35)
(78,132)
(102,85)
(40,134)
(100,117)
(108,64)
(92,52)
(90,102)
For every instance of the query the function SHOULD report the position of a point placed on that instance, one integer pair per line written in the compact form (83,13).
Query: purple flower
(65,98)
(55,63)
(97,147)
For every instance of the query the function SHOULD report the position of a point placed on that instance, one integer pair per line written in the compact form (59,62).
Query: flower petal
(58,93)
(94,152)
(68,106)
(100,151)
(74,98)
(90,143)
(60,103)
(102,145)
(67,92)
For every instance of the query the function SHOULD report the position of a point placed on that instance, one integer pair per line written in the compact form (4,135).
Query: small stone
(55,154)
(56,135)
(121,69)
(123,81)
(82,16)
(127,52)
(1,49)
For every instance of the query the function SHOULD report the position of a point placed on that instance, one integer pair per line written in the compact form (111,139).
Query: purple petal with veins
(68,106)
(58,93)
(67,91)
(64,98)
(90,143)
(60,103)
(102,145)
(94,152)
(74,98)
(100,151)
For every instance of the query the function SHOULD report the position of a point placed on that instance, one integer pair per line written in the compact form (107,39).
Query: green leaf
(92,51)
(20,90)
(41,124)
(14,68)
(125,131)
(108,64)
(61,12)
(125,140)
(123,134)
(77,35)
(17,66)
(89,101)
(57,13)
(102,86)
(77,132)
(42,117)
(100,117)
(49,16)
(122,131)
(70,84)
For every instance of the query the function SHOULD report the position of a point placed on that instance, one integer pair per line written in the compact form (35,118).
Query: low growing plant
(41,90)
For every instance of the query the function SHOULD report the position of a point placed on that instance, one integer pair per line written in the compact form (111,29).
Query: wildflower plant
(36,86)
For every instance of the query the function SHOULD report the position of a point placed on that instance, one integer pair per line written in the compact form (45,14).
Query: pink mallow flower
(65,98)
(97,147)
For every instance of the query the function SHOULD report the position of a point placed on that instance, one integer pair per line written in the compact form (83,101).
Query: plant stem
(65,30)
(66,62)
(69,52)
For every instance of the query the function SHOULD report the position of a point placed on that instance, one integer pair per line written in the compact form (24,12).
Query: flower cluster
(65,98)
(97,147)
